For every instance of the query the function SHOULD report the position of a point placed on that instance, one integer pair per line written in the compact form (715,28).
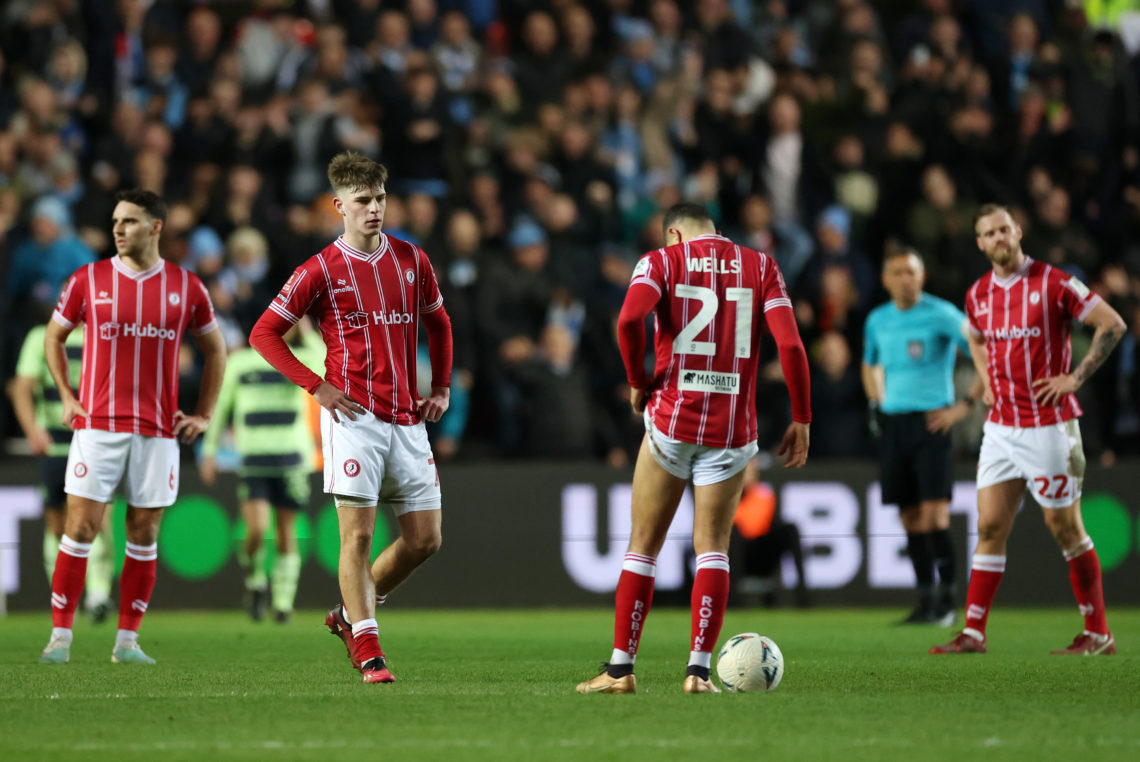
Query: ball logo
(409,275)
(351,468)
(174,299)
(80,470)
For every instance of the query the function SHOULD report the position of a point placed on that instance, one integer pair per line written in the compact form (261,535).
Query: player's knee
(990,529)
(82,529)
(427,545)
(1063,527)
(357,541)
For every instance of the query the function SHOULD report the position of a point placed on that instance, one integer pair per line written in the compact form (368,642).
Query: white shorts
(97,460)
(1049,458)
(705,465)
(380,462)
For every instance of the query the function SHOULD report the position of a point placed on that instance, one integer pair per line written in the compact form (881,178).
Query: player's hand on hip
(638,398)
(72,410)
(1052,390)
(988,396)
(187,428)
(208,470)
(335,401)
(943,419)
(795,445)
(434,406)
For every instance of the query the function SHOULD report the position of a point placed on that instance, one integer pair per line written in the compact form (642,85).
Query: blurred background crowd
(533,146)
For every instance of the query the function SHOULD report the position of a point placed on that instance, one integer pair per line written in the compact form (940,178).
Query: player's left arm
(1109,330)
(187,428)
(440,349)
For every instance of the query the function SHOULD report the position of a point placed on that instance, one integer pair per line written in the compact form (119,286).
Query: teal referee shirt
(916,348)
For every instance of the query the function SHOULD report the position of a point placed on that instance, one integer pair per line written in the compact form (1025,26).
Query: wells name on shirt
(713,296)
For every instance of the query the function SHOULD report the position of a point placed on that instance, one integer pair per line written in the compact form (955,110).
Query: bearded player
(1020,315)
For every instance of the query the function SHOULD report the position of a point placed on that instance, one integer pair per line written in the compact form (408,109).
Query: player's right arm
(640,300)
(981,360)
(207,467)
(54,338)
(267,337)
(22,392)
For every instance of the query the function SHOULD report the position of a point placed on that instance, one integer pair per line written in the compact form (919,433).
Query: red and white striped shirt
(135,322)
(713,296)
(1025,320)
(368,308)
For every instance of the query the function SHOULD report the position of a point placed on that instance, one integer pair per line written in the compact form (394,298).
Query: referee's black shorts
(914,464)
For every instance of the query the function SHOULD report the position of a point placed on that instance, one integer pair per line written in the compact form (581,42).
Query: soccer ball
(750,662)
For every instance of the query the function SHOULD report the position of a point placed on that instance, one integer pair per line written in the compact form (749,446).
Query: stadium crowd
(533,147)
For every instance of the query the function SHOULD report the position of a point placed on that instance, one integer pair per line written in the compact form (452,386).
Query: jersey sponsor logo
(140,330)
(174,299)
(410,275)
(914,349)
(109,331)
(104,298)
(342,289)
(641,269)
(709,381)
(1014,333)
(712,265)
(351,468)
(80,470)
(361,319)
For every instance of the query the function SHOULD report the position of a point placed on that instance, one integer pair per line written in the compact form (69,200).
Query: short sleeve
(430,297)
(956,326)
(202,317)
(72,306)
(1075,297)
(299,293)
(972,313)
(870,346)
(32,359)
(650,270)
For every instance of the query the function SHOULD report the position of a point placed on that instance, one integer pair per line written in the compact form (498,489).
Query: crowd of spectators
(533,147)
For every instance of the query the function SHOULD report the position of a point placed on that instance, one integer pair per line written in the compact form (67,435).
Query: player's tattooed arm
(1110,330)
(1103,342)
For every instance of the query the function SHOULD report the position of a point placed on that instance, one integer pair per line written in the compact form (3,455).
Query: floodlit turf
(495,685)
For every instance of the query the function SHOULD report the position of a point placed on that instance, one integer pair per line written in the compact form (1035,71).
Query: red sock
(633,599)
(710,597)
(67,581)
(140,568)
(1084,576)
(985,576)
(366,637)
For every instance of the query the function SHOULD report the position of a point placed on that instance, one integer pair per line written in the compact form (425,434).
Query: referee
(908,374)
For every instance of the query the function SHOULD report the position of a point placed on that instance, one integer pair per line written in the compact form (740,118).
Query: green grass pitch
(499,685)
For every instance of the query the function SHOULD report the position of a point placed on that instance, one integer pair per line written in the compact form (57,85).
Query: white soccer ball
(750,662)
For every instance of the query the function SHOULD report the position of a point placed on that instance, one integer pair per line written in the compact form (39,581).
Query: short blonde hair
(351,171)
